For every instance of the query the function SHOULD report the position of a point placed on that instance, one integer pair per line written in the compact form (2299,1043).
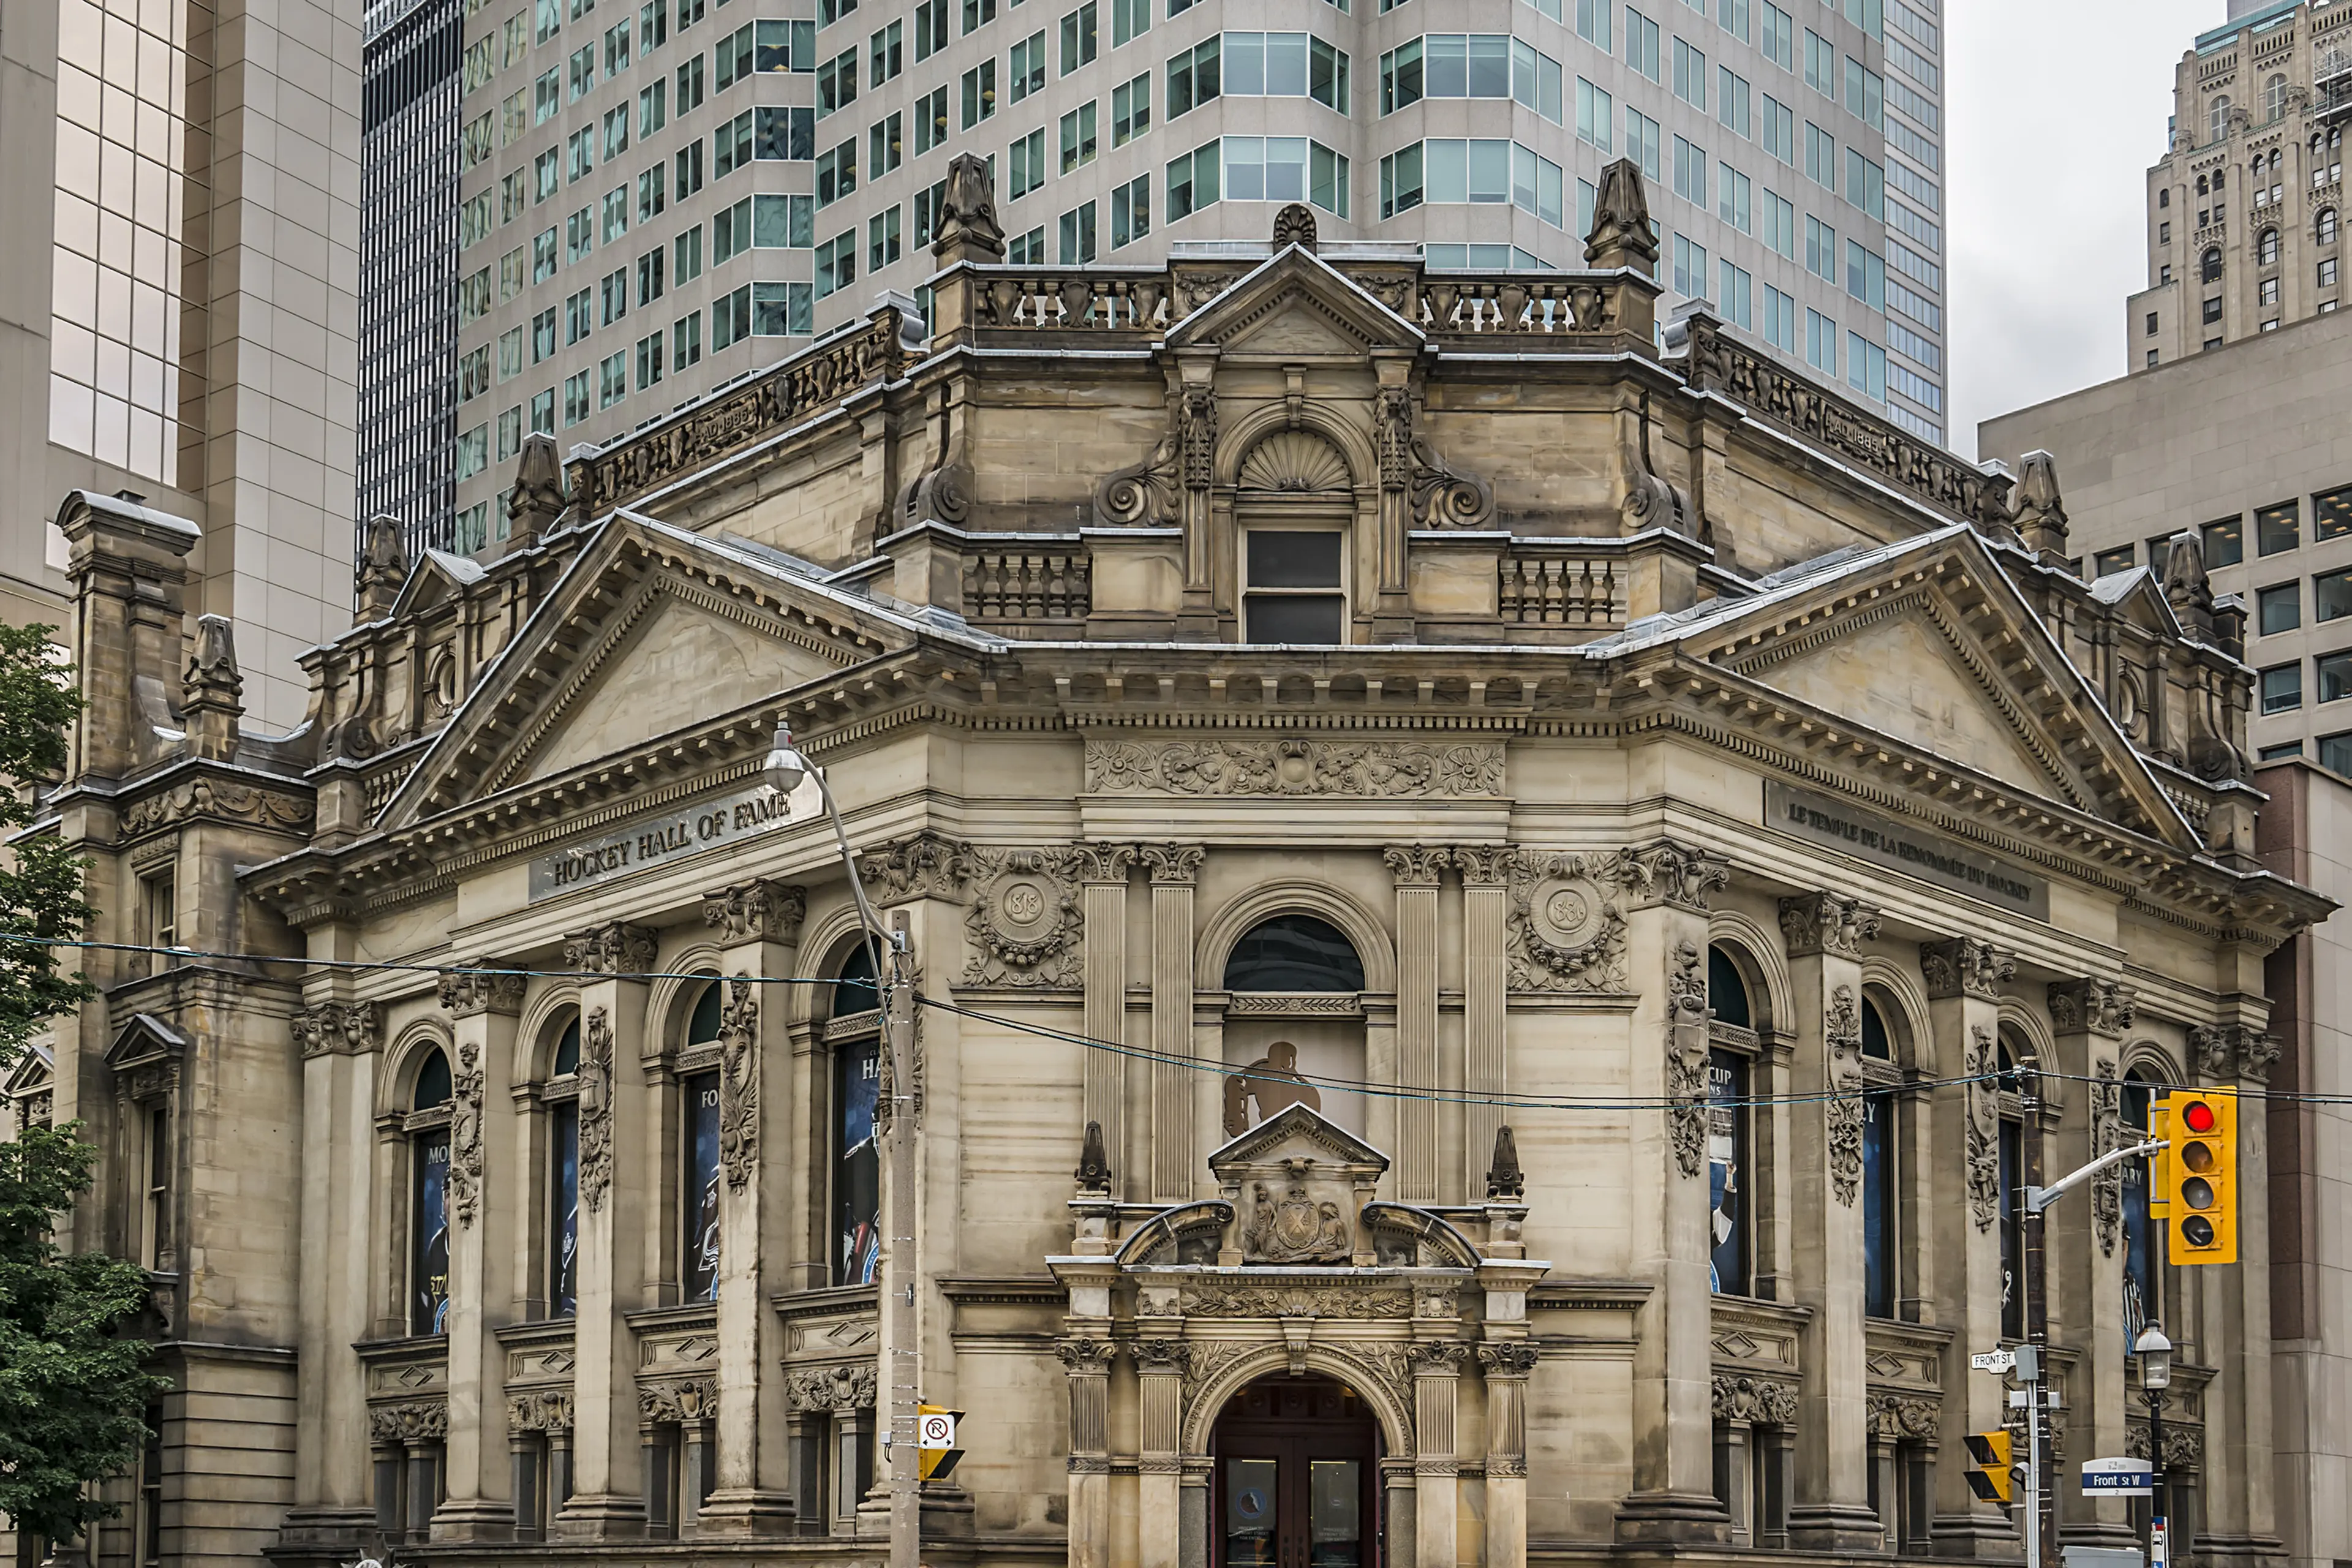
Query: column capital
(1436,1358)
(2099,1006)
(1088,1357)
(1963,967)
(1103,863)
(2225,1051)
(1508,1358)
(1679,876)
(1485,864)
(1817,925)
(467,994)
(341,1028)
(615,948)
(1174,865)
(1417,865)
(758,910)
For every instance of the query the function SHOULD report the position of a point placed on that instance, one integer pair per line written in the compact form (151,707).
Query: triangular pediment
(1295,306)
(437,578)
(653,631)
(32,1072)
(1296,1133)
(144,1039)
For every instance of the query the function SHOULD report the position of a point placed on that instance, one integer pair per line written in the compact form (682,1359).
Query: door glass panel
(1250,1492)
(1335,1493)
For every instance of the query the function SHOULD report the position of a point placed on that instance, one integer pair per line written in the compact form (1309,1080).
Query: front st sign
(2118,1478)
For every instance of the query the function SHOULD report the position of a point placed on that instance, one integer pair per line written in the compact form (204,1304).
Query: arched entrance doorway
(1297,1477)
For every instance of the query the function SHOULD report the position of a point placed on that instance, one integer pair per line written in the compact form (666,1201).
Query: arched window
(2216,119)
(2267,248)
(428,1214)
(2012,1201)
(854,1035)
(1285,1046)
(2204,185)
(2140,1240)
(698,1142)
(2325,227)
(1882,1207)
(561,1097)
(2275,99)
(2211,266)
(1294,507)
(1732,1187)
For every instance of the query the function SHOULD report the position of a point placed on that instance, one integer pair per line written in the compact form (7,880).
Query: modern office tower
(409,240)
(177,301)
(2246,208)
(655,196)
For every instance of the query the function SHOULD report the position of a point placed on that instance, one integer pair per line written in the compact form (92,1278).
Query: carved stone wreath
(1567,929)
(1842,1038)
(1025,923)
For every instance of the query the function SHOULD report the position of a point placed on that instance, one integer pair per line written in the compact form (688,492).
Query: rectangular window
(1596,116)
(1780,225)
(2335,672)
(1131,110)
(1193,181)
(1401,182)
(1079,38)
(1593,19)
(1690,174)
(1026,164)
(2331,596)
(1779,129)
(1690,76)
(613,297)
(653,107)
(1865,94)
(1078,139)
(580,73)
(1780,37)
(1821,64)
(979,93)
(731,232)
(1737,293)
(1641,45)
(1779,320)
(1295,587)
(1822,343)
(1820,157)
(2282,687)
(652,359)
(882,239)
(886,54)
(931,121)
(1734,200)
(2278,609)
(1028,65)
(837,83)
(1078,237)
(836,173)
(2277,528)
(575,398)
(1731,102)
(1865,184)
(649,272)
(836,263)
(1820,249)
(653,26)
(616,221)
(1690,268)
(2327,273)
(616,49)
(688,82)
(978,14)
(1027,249)
(653,188)
(686,168)
(930,29)
(2225,542)
(2335,753)
(781,221)
(1130,19)
(1865,367)
(1130,211)
(1195,76)
(731,318)
(2331,513)
(1865,275)
(686,340)
(885,146)
(1641,141)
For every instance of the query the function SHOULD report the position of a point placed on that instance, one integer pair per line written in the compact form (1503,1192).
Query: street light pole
(895,1124)
(2155,1352)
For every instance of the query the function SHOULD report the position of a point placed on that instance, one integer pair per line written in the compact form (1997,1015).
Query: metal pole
(2157,1483)
(2041,1534)
(899,1271)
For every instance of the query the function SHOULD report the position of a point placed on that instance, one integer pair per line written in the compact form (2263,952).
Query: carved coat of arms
(1295,1228)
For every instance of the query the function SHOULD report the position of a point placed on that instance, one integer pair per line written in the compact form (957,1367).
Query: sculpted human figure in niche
(1273,1082)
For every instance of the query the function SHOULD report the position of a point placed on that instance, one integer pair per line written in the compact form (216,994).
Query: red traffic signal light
(2203,1170)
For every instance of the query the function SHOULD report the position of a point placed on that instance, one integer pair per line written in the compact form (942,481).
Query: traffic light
(2204,1176)
(1989,1473)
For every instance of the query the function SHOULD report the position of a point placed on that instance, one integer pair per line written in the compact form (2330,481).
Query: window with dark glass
(2335,753)
(1294,953)
(855,1035)
(2277,528)
(698,1141)
(562,1096)
(2282,688)
(2331,596)
(2225,542)
(2107,562)
(2011,1167)
(429,1217)
(2335,671)
(1294,591)
(2331,513)
(2279,608)
(1730,1181)
(2140,1240)
(1881,1239)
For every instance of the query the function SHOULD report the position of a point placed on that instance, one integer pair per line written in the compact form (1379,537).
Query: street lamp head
(2155,1352)
(785,766)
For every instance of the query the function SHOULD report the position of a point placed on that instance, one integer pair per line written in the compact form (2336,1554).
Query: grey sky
(2055,110)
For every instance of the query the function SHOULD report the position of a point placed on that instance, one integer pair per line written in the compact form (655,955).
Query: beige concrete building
(2249,448)
(2245,210)
(177,317)
(1306,713)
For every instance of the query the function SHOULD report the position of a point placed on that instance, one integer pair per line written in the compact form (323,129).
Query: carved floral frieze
(411,1421)
(1755,1400)
(540,1410)
(219,802)
(1380,770)
(849,1387)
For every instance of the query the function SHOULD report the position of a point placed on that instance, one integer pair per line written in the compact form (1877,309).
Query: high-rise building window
(2278,609)
(2331,596)
(2334,675)
(2225,542)
(2277,528)
(2282,687)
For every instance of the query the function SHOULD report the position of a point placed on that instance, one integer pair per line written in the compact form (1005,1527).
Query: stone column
(608,1498)
(1506,1364)
(2086,1244)
(1416,870)
(1673,1498)
(1175,870)
(1102,882)
(1160,1364)
(1088,1361)
(1830,1511)
(1436,1470)
(1485,973)
(1964,977)
(760,924)
(476,1507)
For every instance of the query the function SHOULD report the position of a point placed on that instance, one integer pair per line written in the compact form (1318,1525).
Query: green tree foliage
(73,1394)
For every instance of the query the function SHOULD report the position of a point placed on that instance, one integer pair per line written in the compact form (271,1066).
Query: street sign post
(2118,1478)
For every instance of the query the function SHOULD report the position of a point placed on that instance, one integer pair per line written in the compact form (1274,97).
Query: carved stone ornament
(2106,1137)
(464,993)
(595,1106)
(343,1028)
(2184,1447)
(1508,1358)
(540,1410)
(1293,1227)
(1918,1416)
(738,1082)
(845,1387)
(1416,865)
(2101,1007)
(1086,1355)
(216,801)
(1505,1182)
(758,910)
(465,1133)
(1759,1401)
(1024,922)
(1295,224)
(618,948)
(1173,865)
(1196,436)
(1146,494)
(414,1421)
(921,866)
(1295,1301)
(1166,1356)
(1820,923)
(1382,769)
(1680,877)
(967,217)
(1963,966)
(2232,1051)
(1983,1060)
(1686,1087)
(678,1400)
(1567,929)
(1842,1038)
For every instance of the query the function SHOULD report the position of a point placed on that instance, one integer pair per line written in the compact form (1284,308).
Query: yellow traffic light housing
(1989,1472)
(2203,1176)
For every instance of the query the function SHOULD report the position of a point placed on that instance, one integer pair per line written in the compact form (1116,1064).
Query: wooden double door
(1297,1477)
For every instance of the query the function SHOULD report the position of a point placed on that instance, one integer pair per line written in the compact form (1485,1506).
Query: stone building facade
(1477,893)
